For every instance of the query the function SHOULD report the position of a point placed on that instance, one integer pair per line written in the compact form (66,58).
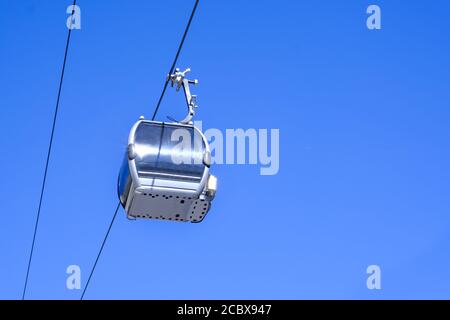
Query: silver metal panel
(199,209)
(160,206)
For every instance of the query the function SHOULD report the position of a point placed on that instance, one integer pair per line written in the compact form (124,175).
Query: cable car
(165,173)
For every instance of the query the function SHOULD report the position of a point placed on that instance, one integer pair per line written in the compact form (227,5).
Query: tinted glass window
(169,151)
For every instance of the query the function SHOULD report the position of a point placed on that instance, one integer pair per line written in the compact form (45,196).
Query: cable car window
(169,151)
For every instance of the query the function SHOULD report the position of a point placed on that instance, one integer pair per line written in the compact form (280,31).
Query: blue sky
(364,125)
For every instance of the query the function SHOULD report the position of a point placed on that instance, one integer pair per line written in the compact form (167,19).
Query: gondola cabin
(165,173)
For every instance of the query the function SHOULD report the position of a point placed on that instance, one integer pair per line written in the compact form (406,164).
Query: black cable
(175,60)
(101,249)
(48,154)
(153,118)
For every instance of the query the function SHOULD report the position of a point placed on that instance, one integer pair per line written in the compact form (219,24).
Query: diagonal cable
(100,251)
(172,67)
(55,116)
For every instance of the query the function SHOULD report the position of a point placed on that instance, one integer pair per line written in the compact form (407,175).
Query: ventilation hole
(182,201)
(177,215)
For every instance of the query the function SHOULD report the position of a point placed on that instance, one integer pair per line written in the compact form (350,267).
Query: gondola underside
(148,205)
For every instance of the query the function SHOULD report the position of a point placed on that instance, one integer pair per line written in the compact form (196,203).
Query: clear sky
(364,120)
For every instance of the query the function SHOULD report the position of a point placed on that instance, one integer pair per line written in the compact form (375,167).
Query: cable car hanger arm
(178,79)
